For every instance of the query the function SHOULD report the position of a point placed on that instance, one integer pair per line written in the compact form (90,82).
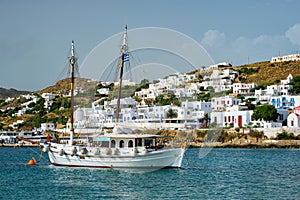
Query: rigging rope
(191,164)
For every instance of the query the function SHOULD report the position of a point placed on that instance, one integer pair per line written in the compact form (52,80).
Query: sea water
(206,174)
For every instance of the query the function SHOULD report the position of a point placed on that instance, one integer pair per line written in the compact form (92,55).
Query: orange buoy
(31,162)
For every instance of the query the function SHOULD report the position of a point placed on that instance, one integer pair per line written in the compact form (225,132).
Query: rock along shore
(263,144)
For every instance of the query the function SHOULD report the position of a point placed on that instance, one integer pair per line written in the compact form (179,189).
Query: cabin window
(113,143)
(130,143)
(139,142)
(121,144)
(148,142)
(104,144)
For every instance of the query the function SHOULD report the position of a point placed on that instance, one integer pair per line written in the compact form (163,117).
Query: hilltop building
(291,57)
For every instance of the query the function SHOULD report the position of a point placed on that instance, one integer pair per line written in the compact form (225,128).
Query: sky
(35,35)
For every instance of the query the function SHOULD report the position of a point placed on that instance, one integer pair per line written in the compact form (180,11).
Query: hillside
(63,86)
(266,73)
(4,93)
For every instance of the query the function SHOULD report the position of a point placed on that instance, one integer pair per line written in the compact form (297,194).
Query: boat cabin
(125,141)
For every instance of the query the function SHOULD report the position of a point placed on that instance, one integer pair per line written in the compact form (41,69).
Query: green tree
(204,97)
(296,85)
(172,113)
(162,101)
(159,100)
(230,91)
(266,112)
(144,81)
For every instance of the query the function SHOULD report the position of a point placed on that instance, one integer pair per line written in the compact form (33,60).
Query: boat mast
(72,61)
(124,58)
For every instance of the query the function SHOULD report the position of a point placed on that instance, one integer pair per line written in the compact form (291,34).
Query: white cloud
(213,38)
(293,34)
(242,49)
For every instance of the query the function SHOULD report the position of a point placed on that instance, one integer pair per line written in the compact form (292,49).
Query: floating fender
(144,151)
(115,151)
(84,151)
(97,151)
(108,151)
(134,151)
(46,149)
(74,151)
(61,152)
(31,162)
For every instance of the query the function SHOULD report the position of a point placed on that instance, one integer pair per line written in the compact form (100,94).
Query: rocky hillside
(4,93)
(63,86)
(266,73)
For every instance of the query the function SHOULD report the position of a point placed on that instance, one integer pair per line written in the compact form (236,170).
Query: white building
(275,90)
(243,88)
(125,82)
(218,79)
(221,103)
(197,106)
(48,96)
(293,119)
(47,127)
(48,99)
(288,79)
(285,101)
(103,91)
(291,57)
(15,124)
(233,116)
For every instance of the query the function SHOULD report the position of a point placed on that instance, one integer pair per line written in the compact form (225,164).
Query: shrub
(285,136)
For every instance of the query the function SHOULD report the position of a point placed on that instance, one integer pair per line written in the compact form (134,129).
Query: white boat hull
(163,158)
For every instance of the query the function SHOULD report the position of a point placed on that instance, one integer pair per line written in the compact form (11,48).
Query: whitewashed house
(285,101)
(233,116)
(15,124)
(48,96)
(125,82)
(291,57)
(47,127)
(293,120)
(288,80)
(103,91)
(275,90)
(198,106)
(48,99)
(243,88)
(221,103)
(217,79)
(262,95)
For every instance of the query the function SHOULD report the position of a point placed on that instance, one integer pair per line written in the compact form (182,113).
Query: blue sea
(206,174)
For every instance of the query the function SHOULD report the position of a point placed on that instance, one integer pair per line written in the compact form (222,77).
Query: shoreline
(274,144)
